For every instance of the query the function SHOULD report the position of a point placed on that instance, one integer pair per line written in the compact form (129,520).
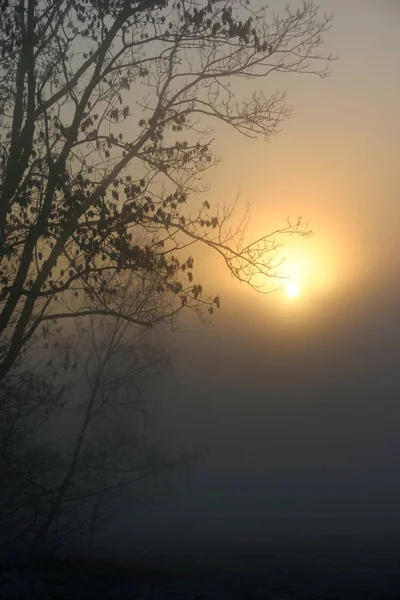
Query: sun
(292,289)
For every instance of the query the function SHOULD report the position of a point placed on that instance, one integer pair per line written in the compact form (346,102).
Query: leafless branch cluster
(55,485)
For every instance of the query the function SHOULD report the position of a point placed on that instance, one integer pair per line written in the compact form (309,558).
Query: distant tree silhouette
(105,109)
(107,458)
(57,482)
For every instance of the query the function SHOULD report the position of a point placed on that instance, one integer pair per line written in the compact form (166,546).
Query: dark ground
(319,569)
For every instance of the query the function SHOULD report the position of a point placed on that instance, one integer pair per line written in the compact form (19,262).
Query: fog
(295,404)
(298,426)
(292,405)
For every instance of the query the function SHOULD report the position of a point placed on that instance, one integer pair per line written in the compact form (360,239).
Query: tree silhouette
(67,456)
(105,110)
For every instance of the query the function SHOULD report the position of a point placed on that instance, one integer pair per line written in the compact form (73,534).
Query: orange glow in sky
(339,173)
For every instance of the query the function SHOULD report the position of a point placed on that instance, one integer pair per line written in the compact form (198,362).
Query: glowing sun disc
(292,289)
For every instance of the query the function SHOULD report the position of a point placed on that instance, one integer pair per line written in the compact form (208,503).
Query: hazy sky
(297,400)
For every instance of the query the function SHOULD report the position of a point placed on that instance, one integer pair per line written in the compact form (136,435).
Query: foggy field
(315,572)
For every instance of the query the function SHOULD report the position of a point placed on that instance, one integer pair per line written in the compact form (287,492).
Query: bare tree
(105,114)
(28,463)
(57,485)
(110,451)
